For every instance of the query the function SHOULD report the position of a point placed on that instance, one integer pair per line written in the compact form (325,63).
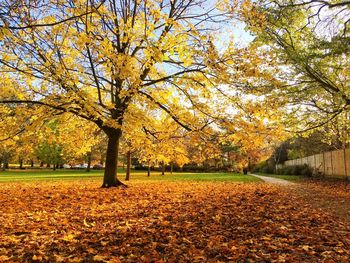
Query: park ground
(67,217)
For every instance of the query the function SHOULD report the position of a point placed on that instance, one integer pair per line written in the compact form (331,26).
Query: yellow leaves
(112,123)
(306,247)
(34,118)
(83,39)
(85,223)
(90,224)
(50,19)
(37,258)
(69,238)
(156,14)
(217,218)
(4,258)
(4,32)
(248,11)
(153,55)
(126,68)
(99,258)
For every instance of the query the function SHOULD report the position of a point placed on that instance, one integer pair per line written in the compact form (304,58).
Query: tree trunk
(54,166)
(149,170)
(163,168)
(110,175)
(31,163)
(128,166)
(88,168)
(21,164)
(41,164)
(171,168)
(6,165)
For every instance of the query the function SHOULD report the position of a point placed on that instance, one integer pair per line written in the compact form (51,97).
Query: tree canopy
(311,42)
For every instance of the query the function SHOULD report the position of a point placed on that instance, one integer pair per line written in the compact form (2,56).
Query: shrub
(263,167)
(268,170)
(303,170)
(287,170)
(306,171)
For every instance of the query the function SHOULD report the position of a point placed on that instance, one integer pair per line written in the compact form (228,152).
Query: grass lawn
(293,178)
(58,175)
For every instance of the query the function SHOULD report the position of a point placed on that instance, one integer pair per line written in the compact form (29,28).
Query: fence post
(315,166)
(324,165)
(332,162)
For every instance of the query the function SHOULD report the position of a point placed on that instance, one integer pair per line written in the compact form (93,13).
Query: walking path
(273,180)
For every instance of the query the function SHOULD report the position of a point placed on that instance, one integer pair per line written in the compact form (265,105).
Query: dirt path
(328,198)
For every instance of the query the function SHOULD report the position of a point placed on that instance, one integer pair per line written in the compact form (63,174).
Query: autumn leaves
(180,221)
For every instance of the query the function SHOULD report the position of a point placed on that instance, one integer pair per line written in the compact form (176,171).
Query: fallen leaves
(328,194)
(164,222)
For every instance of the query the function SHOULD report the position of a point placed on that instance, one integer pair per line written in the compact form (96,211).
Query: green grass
(292,178)
(59,175)
(214,177)
(40,175)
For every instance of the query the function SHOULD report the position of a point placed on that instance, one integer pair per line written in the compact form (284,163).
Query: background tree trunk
(88,168)
(149,169)
(110,175)
(128,166)
(21,164)
(163,168)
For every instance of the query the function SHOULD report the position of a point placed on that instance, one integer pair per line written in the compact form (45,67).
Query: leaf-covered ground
(330,195)
(165,222)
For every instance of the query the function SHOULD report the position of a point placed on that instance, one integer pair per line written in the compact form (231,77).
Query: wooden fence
(334,163)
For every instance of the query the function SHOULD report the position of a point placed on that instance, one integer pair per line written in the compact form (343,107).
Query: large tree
(95,58)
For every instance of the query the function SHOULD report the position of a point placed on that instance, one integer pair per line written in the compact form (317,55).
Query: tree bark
(88,168)
(21,164)
(128,166)
(110,175)
(31,163)
(171,168)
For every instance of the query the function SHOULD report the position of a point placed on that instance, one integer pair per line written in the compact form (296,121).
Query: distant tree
(50,153)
